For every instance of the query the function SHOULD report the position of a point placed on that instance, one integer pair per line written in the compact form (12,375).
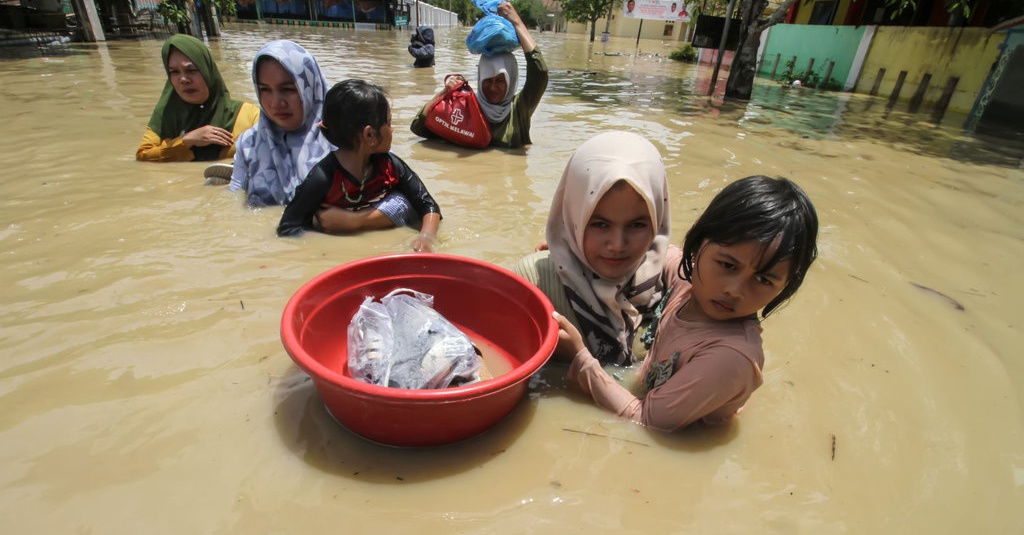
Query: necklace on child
(367,175)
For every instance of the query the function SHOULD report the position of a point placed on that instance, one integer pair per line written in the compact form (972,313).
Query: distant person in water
(508,113)
(421,46)
(195,117)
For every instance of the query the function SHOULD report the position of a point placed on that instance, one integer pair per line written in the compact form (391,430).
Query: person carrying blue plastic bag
(508,113)
(492,34)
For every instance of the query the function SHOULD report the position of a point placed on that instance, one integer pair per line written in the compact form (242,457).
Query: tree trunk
(744,64)
(956,15)
(210,22)
(593,28)
(744,69)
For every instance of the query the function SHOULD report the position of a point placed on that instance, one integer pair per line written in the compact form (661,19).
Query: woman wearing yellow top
(195,118)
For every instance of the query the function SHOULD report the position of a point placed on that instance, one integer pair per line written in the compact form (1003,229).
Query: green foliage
(959,10)
(225,8)
(812,79)
(531,11)
(585,10)
(466,10)
(715,8)
(687,53)
(173,13)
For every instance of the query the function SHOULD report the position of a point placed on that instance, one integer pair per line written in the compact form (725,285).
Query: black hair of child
(350,106)
(762,209)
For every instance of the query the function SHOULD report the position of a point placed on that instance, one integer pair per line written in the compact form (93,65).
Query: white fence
(423,14)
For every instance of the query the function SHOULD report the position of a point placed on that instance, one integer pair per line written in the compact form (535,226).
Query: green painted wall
(965,53)
(823,44)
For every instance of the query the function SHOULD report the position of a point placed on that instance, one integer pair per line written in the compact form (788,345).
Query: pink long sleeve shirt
(694,371)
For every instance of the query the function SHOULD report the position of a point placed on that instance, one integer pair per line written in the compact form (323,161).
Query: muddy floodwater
(144,387)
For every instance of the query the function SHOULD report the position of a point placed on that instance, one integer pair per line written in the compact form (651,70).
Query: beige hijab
(609,311)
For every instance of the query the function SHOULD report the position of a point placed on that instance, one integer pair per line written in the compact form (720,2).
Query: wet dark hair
(348,107)
(265,58)
(761,209)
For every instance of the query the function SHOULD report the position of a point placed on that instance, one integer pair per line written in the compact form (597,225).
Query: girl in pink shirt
(748,253)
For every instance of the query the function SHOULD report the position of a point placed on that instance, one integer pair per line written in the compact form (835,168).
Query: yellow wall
(804,10)
(623,27)
(966,53)
(803,13)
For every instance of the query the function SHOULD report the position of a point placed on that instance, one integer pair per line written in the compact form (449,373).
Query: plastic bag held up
(403,342)
(488,6)
(493,34)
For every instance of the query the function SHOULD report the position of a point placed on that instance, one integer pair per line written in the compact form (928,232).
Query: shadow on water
(631,89)
(850,116)
(40,50)
(309,430)
(806,112)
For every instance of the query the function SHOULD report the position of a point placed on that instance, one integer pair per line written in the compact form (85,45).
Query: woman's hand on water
(570,341)
(208,135)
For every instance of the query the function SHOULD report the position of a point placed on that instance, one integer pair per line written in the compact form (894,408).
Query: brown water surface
(144,388)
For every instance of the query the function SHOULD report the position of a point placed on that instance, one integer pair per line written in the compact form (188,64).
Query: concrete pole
(210,19)
(89,20)
(721,48)
(196,29)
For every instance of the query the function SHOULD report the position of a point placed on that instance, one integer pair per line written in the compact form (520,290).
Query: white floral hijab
(609,311)
(272,170)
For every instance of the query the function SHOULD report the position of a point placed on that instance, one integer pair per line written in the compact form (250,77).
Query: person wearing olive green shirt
(508,114)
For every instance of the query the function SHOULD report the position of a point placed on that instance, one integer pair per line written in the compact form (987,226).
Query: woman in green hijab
(195,118)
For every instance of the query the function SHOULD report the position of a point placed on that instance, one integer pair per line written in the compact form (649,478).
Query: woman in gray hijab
(508,113)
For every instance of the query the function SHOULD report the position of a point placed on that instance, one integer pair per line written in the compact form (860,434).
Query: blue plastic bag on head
(492,35)
(488,6)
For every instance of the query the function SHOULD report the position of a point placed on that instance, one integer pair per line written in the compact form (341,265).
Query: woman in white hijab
(497,79)
(607,241)
(508,113)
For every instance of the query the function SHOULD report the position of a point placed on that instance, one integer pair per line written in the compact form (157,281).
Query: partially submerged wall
(929,64)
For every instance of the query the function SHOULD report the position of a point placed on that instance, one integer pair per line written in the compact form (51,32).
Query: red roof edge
(1007,24)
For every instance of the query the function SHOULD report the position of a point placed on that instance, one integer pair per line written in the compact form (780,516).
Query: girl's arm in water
(711,385)
(298,215)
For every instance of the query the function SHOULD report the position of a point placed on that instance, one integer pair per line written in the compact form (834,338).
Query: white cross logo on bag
(456,116)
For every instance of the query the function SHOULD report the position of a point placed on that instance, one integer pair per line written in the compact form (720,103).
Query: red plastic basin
(494,306)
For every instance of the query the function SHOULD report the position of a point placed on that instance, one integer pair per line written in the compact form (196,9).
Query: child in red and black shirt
(361,185)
